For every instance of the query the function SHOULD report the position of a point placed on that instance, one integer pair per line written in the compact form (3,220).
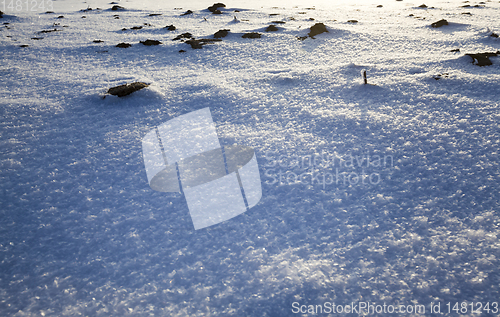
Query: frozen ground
(81,232)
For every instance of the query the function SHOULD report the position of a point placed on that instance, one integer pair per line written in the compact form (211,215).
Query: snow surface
(81,232)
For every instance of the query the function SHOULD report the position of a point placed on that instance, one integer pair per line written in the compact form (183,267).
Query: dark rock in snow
(97,41)
(457,50)
(186,35)
(217,12)
(49,31)
(494,35)
(170,27)
(251,35)
(136,28)
(37,38)
(423,6)
(187,12)
(198,44)
(207,41)
(127,89)
(278,22)
(316,29)
(439,76)
(195,44)
(439,23)
(271,28)
(150,42)
(117,7)
(1,14)
(61,17)
(182,51)
(352,21)
(154,14)
(483,59)
(123,45)
(23,45)
(380,6)
(221,33)
(215,7)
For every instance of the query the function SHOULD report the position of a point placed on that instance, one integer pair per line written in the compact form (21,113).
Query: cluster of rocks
(85,10)
(474,6)
(133,28)
(215,8)
(1,14)
(188,38)
(147,42)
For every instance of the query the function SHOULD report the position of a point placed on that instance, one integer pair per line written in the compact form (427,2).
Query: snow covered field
(402,208)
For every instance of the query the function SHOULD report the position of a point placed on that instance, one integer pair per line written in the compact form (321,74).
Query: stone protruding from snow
(127,89)
(123,45)
(150,42)
(483,59)
(251,35)
(221,33)
(186,35)
(198,44)
(439,23)
(271,28)
(316,29)
(215,8)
